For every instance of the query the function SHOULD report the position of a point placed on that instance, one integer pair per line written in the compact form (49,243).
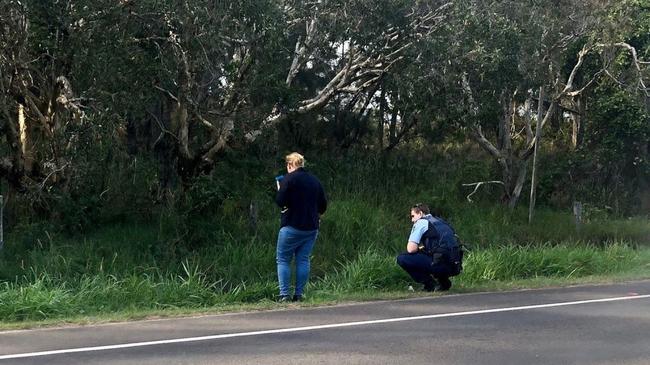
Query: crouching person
(432,251)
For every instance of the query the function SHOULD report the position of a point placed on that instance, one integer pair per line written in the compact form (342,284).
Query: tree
(508,51)
(227,74)
(40,108)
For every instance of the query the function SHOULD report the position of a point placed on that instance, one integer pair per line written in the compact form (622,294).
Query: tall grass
(552,261)
(369,270)
(208,253)
(45,297)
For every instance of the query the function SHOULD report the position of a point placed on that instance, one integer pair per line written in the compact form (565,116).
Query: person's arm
(411,247)
(417,231)
(282,196)
(322,201)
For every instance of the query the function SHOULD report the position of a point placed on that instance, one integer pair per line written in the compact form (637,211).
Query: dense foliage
(210,253)
(139,140)
(163,94)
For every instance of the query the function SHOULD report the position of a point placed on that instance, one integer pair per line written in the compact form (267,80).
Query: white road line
(310,328)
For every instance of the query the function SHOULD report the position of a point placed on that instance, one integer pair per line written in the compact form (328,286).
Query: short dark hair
(421,208)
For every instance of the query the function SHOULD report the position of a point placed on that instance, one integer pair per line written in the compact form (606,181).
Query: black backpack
(451,253)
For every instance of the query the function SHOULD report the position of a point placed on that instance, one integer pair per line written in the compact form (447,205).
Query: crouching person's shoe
(430,286)
(443,284)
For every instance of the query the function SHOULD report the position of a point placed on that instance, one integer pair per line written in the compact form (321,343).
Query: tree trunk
(392,128)
(513,167)
(26,146)
(516,188)
(380,119)
(538,136)
(12,167)
(576,124)
(165,151)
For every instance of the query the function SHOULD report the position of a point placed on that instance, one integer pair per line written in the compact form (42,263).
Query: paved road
(604,324)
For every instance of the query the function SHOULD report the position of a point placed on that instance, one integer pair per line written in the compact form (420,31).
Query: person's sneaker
(284,298)
(297,298)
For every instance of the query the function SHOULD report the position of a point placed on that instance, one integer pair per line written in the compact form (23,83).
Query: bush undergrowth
(210,251)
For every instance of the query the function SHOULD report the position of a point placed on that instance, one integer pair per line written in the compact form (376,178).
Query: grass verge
(44,300)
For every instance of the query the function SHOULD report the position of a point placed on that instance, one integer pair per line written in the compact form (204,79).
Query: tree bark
(576,123)
(380,119)
(518,185)
(538,136)
(392,127)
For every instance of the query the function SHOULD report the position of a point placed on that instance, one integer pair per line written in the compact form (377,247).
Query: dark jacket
(302,199)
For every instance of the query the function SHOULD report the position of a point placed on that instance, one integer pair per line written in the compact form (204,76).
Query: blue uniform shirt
(419,227)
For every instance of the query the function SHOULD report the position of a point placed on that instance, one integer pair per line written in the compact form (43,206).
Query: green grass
(204,256)
(369,275)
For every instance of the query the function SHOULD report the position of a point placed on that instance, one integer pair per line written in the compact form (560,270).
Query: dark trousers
(421,267)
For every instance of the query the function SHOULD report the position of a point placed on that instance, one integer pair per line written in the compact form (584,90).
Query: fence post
(577,214)
(253,216)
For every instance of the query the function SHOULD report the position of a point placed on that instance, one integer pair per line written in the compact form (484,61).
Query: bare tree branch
(360,71)
(569,84)
(637,65)
(478,185)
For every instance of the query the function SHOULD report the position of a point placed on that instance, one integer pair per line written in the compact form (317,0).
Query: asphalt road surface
(596,324)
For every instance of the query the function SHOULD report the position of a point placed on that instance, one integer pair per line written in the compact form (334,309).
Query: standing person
(430,251)
(302,199)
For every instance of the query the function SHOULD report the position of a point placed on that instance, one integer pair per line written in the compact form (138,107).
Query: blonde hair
(295,159)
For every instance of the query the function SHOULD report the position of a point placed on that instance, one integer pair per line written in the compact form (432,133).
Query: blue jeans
(294,242)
